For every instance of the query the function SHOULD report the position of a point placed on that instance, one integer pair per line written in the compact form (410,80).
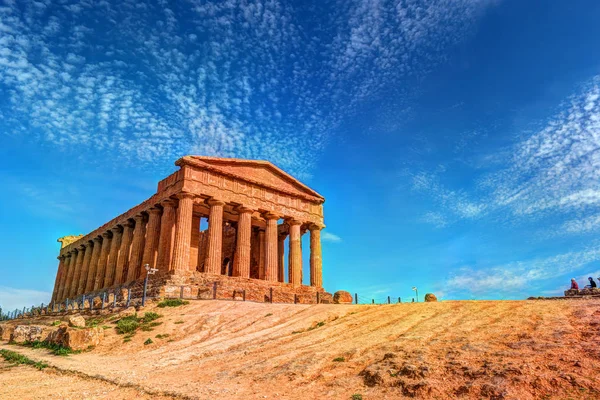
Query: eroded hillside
(236,350)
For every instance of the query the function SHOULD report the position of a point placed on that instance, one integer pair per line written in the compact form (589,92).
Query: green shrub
(94,322)
(269,314)
(149,326)
(127,324)
(178,322)
(55,323)
(357,396)
(172,303)
(339,359)
(148,341)
(56,349)
(15,358)
(162,336)
(150,316)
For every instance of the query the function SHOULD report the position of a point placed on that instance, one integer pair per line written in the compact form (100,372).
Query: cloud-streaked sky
(455,140)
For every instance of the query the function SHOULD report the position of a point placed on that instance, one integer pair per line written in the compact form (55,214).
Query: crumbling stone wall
(202,286)
(593,292)
(67,240)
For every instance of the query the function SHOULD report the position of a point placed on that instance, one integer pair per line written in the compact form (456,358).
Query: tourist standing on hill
(574,284)
(592,284)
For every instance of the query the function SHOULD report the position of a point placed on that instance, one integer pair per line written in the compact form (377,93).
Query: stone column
(167,235)
(261,254)
(316,263)
(77,272)
(137,248)
(215,237)
(85,267)
(63,291)
(103,260)
(59,273)
(271,258)
(295,256)
(113,256)
(91,276)
(241,261)
(281,256)
(180,264)
(124,251)
(152,238)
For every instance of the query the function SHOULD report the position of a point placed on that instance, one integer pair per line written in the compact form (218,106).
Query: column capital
(215,202)
(243,209)
(82,247)
(167,203)
(128,224)
(138,218)
(61,257)
(97,239)
(116,229)
(270,215)
(107,234)
(185,195)
(292,221)
(153,210)
(316,226)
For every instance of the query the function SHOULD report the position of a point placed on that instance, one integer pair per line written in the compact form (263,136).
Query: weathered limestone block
(77,321)
(97,302)
(582,292)
(342,297)
(81,339)
(58,335)
(30,333)
(6,331)
(430,297)
(67,240)
(76,339)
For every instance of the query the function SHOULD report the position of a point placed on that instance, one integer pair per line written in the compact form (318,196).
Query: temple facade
(249,207)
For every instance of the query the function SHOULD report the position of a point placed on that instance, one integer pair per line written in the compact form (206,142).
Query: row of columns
(161,237)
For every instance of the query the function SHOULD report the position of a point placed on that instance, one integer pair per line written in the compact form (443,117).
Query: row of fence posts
(18,313)
(56,307)
(389,299)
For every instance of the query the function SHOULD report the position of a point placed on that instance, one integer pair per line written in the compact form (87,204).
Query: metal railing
(118,296)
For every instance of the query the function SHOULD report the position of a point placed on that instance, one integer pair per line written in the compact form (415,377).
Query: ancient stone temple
(251,210)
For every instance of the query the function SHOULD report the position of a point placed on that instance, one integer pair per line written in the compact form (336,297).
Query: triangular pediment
(256,171)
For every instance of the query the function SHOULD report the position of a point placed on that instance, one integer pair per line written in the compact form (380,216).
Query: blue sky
(456,141)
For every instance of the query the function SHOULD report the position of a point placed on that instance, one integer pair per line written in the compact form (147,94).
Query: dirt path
(24,382)
(233,350)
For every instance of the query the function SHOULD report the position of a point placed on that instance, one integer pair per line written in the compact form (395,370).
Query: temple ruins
(250,207)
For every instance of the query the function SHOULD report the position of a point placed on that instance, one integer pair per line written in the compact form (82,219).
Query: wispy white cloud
(144,82)
(521,278)
(553,172)
(330,237)
(16,298)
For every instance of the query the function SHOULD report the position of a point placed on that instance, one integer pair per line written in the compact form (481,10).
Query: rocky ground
(235,350)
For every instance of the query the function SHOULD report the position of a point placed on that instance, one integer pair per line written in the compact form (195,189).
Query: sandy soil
(234,350)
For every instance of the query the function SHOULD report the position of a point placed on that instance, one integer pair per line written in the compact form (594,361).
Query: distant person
(592,284)
(574,284)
